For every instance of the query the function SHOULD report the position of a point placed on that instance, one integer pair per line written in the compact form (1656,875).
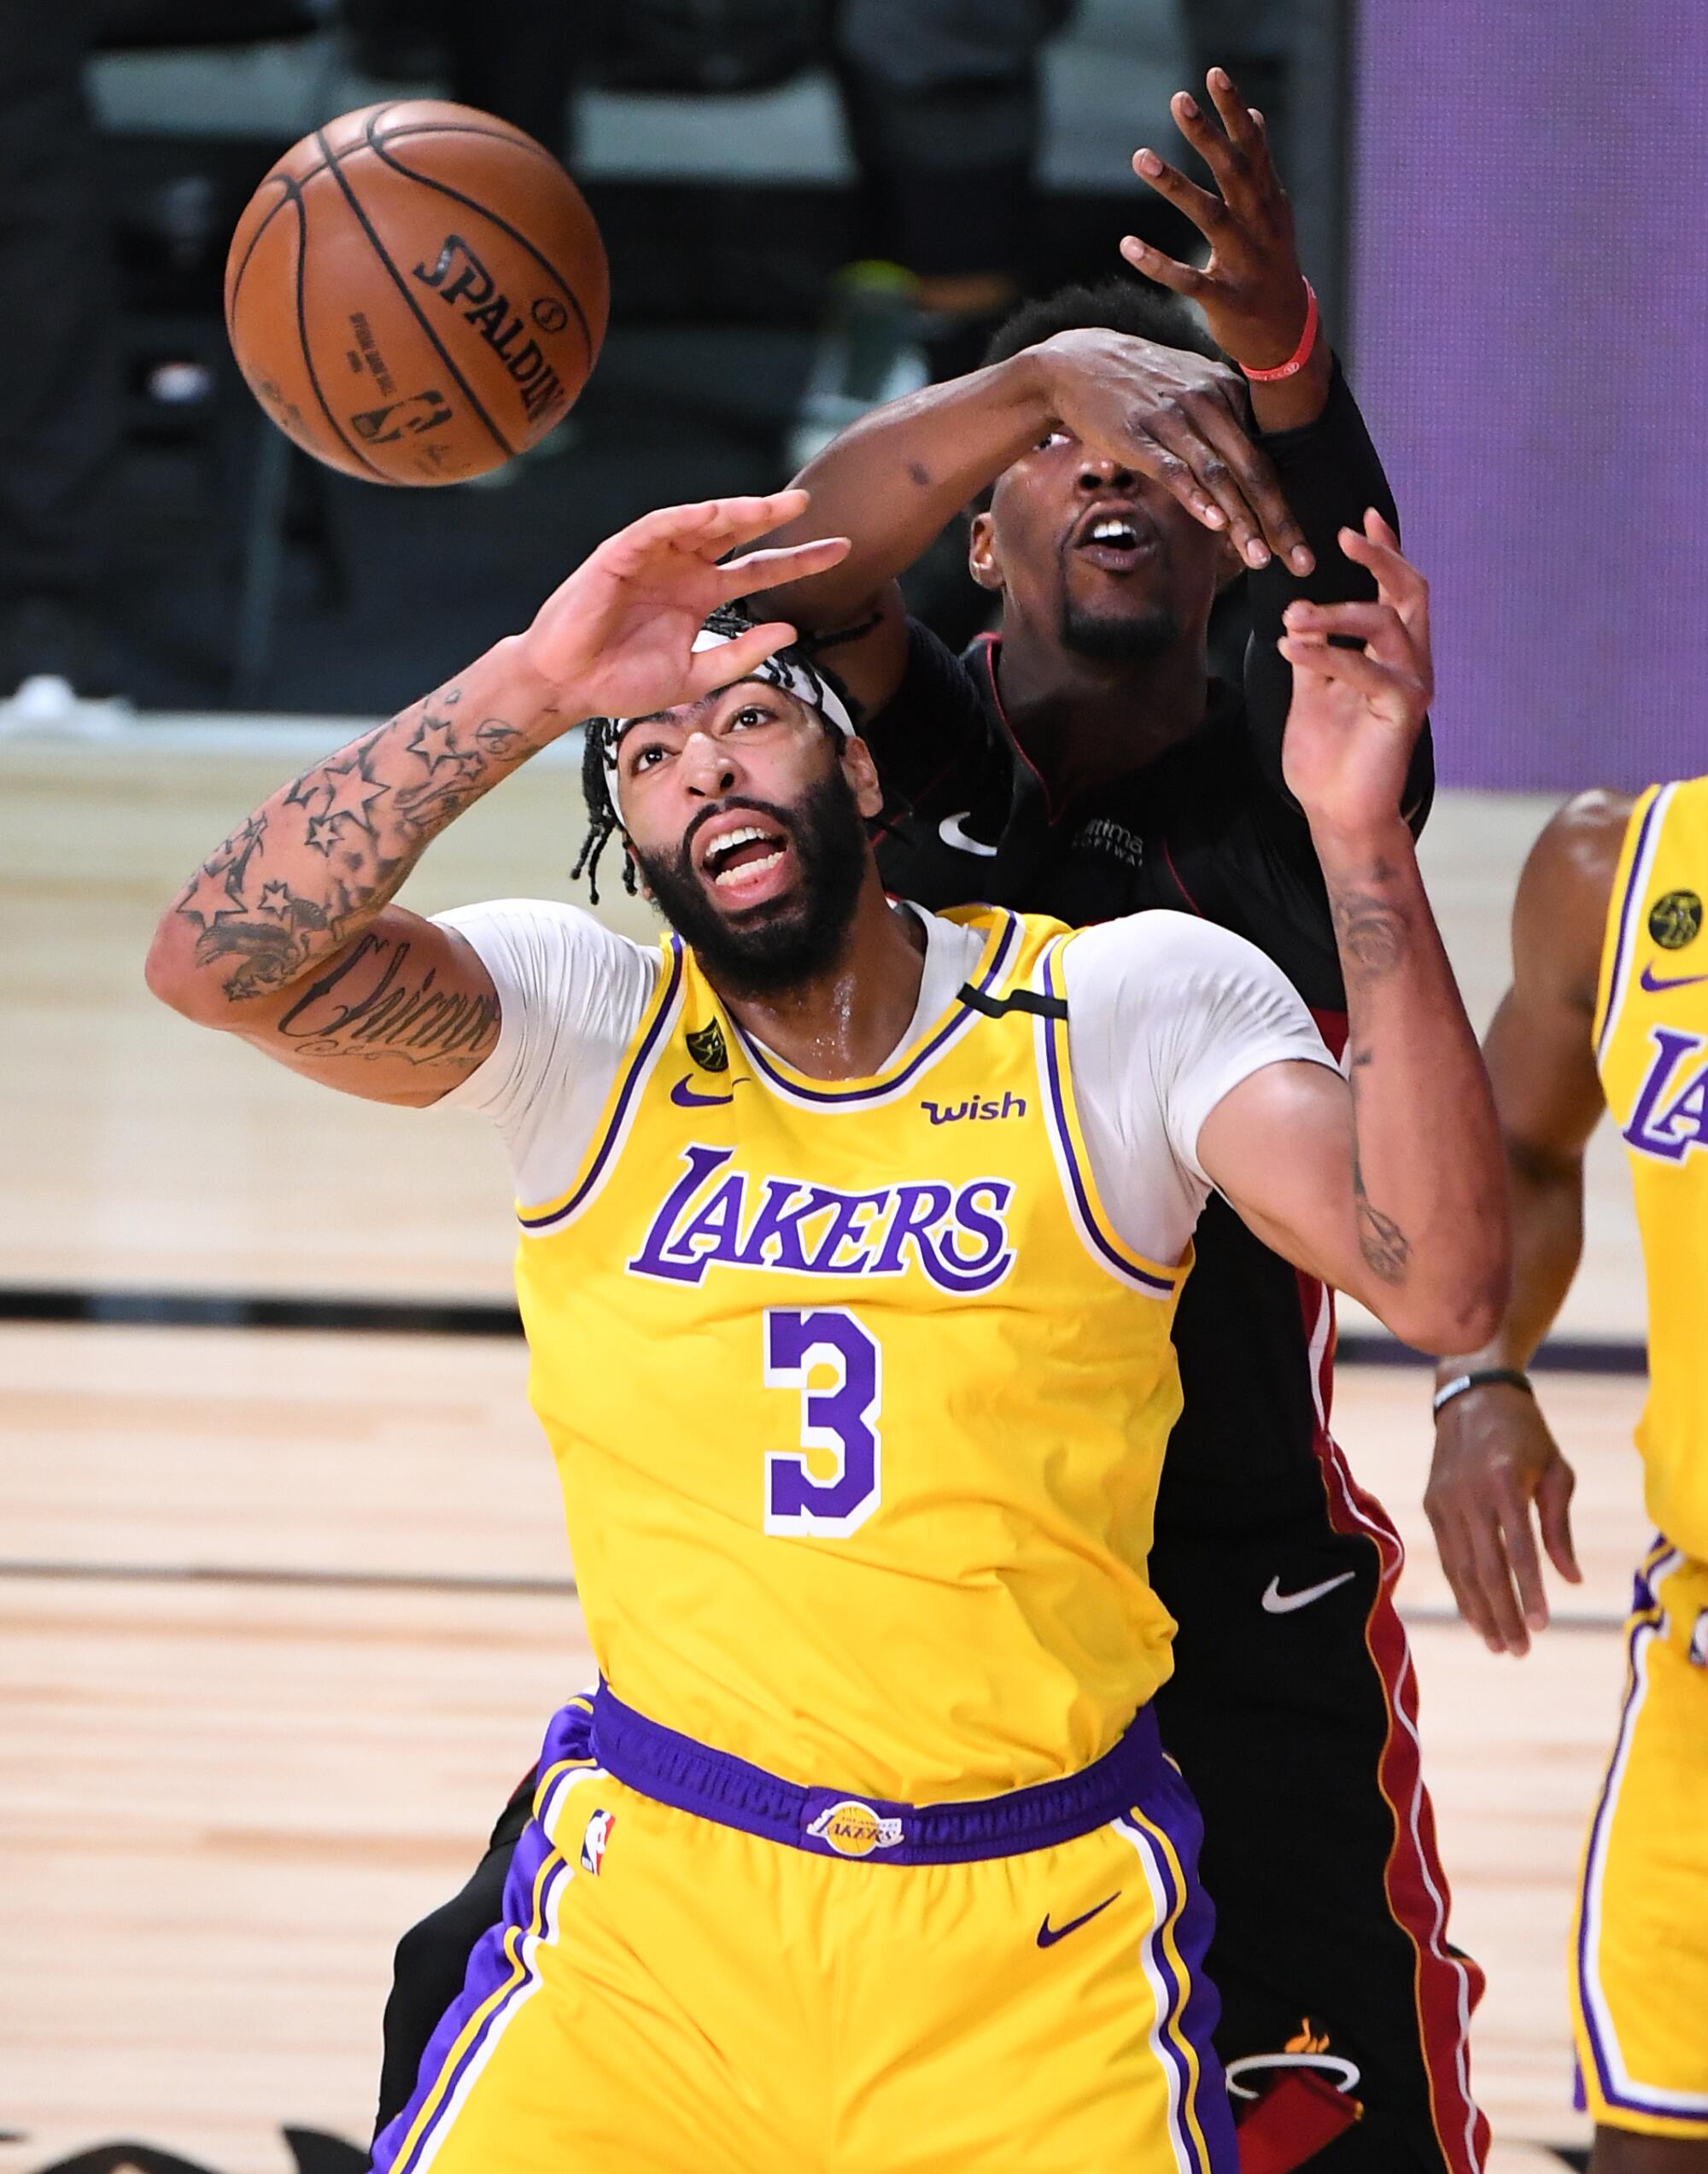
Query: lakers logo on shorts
(854,1830)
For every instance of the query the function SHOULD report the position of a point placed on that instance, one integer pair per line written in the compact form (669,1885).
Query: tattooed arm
(1391,1185)
(287,936)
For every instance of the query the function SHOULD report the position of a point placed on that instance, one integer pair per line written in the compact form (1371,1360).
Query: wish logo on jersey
(713,1217)
(1670,1115)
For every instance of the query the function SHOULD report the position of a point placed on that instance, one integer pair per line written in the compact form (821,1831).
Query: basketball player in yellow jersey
(1609,1008)
(850,1241)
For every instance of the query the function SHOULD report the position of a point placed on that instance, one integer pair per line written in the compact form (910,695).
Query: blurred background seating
(807,208)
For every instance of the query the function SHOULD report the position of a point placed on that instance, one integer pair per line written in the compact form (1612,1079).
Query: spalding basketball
(416,293)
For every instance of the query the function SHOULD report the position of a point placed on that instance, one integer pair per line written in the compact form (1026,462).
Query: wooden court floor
(282,1615)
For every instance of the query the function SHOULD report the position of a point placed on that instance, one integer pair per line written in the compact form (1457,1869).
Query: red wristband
(1300,355)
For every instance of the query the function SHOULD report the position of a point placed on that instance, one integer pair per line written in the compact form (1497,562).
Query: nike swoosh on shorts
(1277,1603)
(1648,979)
(685,1098)
(1049,1934)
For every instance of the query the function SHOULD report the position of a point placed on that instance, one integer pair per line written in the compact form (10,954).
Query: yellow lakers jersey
(858,1400)
(1652,1050)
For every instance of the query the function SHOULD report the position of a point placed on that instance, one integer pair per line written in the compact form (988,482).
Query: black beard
(1106,640)
(796,939)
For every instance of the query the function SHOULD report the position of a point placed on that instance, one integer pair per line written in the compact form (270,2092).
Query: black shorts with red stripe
(1292,1712)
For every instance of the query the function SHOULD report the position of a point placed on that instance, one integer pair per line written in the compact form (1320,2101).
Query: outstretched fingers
(710,526)
(1254,474)
(778,564)
(708,670)
(1379,683)
(1166,272)
(1206,210)
(1380,627)
(1397,580)
(1231,150)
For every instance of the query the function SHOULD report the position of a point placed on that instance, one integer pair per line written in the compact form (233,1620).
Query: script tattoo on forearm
(299,877)
(367,1005)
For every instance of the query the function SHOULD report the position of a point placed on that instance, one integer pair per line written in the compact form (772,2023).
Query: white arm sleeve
(570,994)
(1166,1016)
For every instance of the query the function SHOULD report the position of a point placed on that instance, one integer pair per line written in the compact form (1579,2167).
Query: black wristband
(1511,1375)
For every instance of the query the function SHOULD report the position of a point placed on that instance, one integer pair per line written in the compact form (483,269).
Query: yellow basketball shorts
(1639,1990)
(718,1972)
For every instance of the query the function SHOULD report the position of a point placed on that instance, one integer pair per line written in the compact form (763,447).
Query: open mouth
(1112,538)
(740,860)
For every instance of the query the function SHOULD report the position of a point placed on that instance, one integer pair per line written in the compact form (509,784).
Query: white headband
(790,672)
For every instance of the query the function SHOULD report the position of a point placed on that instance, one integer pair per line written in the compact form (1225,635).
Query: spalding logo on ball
(416,293)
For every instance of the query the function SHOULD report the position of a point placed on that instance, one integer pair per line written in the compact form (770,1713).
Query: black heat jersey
(1206,827)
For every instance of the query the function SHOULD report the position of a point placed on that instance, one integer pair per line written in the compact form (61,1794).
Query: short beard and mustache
(784,943)
(1117,638)
(1103,639)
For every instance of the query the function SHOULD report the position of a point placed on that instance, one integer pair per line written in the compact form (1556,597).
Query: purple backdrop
(1530,343)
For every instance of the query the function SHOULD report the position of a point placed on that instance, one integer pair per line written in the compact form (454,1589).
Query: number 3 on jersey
(839,1417)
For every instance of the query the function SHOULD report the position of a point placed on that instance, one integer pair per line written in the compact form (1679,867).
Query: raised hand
(1252,290)
(1356,713)
(618,636)
(1497,1468)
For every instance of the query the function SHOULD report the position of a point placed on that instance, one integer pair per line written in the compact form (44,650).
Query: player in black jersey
(1084,763)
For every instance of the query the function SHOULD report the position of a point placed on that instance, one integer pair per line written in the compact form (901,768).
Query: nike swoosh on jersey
(1049,1934)
(950,831)
(1649,980)
(683,1095)
(1277,1603)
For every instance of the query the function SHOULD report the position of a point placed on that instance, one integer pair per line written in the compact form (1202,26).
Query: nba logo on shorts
(1699,1641)
(594,1840)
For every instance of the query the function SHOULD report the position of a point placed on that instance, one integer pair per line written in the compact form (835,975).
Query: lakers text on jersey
(865,1852)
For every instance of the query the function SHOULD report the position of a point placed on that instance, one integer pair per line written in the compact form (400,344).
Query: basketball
(416,293)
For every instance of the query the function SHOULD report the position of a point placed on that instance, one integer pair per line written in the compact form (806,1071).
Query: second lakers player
(850,1239)
(1609,1008)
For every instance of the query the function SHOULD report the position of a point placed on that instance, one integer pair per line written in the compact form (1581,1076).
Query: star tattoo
(275,899)
(352,795)
(432,743)
(210,896)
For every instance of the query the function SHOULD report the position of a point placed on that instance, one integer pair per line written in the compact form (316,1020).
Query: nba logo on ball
(392,337)
(594,1841)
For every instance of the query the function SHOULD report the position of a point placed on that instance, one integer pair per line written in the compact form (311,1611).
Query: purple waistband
(674,1770)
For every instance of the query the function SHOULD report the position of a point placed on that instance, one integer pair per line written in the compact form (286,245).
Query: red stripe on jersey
(1448,1986)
